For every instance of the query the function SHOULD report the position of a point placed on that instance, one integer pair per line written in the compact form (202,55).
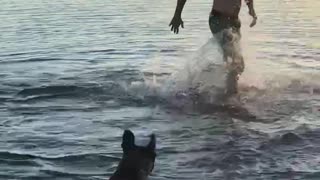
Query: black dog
(137,162)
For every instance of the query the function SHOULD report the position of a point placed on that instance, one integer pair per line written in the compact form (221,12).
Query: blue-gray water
(74,74)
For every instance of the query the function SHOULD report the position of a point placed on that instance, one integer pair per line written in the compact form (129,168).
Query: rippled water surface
(74,74)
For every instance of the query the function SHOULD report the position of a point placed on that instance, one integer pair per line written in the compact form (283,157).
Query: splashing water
(263,85)
(203,74)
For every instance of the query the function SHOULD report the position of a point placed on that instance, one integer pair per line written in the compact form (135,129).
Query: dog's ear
(152,143)
(127,140)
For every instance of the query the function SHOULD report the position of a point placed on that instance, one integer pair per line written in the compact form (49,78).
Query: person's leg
(232,83)
(216,22)
(232,45)
(238,58)
(217,25)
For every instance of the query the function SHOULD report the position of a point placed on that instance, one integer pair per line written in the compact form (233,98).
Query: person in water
(223,17)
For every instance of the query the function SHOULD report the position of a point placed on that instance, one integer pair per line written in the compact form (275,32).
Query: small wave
(290,138)
(168,50)
(156,74)
(47,90)
(68,166)
(3,99)
(80,166)
(40,98)
(15,156)
(124,74)
(14,54)
(72,174)
(32,60)
(228,160)
(286,139)
(98,51)
(90,156)
(107,91)
(11,156)
(297,56)
(109,52)
(41,59)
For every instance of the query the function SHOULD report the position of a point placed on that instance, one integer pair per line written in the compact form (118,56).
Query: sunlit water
(75,73)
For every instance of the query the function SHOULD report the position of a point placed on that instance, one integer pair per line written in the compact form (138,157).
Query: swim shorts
(219,22)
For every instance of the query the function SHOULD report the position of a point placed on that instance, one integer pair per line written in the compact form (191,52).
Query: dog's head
(141,157)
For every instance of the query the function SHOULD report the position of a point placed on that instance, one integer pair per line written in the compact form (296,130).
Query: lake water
(74,74)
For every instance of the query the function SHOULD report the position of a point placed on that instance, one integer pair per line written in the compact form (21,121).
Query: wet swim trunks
(219,22)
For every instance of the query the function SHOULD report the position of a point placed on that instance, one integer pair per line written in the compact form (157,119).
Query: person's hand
(254,16)
(254,21)
(175,24)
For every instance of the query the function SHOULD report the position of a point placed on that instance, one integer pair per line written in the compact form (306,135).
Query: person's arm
(179,8)
(252,12)
(176,20)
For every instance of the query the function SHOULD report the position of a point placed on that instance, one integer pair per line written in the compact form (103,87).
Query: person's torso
(227,7)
